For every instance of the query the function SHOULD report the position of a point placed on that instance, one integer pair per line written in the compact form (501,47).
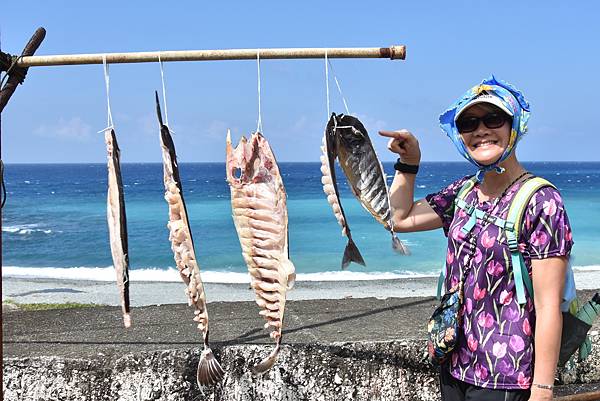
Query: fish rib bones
(258,202)
(209,370)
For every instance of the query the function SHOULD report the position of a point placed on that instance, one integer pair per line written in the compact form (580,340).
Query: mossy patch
(48,306)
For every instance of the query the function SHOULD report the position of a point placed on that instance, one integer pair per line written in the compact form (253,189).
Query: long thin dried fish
(330,187)
(258,201)
(117,222)
(209,370)
(364,172)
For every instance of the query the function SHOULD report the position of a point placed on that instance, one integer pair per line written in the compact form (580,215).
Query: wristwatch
(406,168)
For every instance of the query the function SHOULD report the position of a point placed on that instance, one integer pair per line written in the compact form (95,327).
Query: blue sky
(547,49)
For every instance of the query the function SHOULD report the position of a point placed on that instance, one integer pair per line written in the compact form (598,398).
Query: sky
(548,49)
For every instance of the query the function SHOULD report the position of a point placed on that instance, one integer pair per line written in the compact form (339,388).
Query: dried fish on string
(209,370)
(117,222)
(258,201)
(330,187)
(364,171)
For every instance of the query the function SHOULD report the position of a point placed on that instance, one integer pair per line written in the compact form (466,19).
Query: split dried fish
(209,370)
(330,187)
(258,201)
(117,222)
(364,171)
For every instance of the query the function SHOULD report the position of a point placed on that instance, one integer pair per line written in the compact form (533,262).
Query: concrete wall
(343,371)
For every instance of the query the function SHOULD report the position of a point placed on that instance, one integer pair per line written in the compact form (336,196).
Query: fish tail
(352,254)
(210,371)
(263,366)
(399,246)
(127,320)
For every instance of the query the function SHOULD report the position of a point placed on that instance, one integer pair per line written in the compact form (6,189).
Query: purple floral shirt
(495,347)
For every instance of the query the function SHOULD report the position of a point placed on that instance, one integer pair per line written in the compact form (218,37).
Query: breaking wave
(25,229)
(171,275)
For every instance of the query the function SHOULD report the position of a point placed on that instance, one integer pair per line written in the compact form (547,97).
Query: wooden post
(5,94)
(15,79)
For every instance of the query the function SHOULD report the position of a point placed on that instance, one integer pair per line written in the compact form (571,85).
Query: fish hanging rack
(392,52)
(17,66)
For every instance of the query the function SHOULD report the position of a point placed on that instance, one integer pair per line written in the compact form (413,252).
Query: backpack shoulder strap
(514,222)
(521,201)
(459,201)
(466,187)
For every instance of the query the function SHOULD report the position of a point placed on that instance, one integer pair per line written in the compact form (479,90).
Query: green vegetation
(46,306)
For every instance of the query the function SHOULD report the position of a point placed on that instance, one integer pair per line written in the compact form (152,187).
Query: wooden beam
(392,53)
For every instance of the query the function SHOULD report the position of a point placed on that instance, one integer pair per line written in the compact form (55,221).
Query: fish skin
(358,159)
(330,187)
(182,243)
(117,222)
(259,210)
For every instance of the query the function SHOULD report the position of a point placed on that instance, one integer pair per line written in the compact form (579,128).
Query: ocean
(54,222)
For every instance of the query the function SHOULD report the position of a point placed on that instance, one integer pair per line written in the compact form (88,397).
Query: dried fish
(330,187)
(258,201)
(209,370)
(117,222)
(364,171)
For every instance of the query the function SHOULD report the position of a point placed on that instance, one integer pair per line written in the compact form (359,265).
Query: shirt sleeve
(547,230)
(442,202)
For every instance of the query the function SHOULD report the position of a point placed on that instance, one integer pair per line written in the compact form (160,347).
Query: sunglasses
(464,125)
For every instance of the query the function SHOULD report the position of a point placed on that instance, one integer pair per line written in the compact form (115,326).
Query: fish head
(350,138)
(252,161)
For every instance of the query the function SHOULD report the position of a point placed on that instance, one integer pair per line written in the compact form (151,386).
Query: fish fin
(209,370)
(127,320)
(263,366)
(352,254)
(158,112)
(399,246)
(291,273)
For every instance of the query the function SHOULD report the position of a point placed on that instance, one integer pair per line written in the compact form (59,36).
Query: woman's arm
(548,283)
(407,214)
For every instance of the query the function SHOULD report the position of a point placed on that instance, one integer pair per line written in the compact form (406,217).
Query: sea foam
(171,275)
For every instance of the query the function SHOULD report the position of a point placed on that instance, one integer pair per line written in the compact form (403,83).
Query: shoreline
(26,290)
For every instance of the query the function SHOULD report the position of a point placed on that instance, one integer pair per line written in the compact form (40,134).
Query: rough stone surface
(342,371)
(85,354)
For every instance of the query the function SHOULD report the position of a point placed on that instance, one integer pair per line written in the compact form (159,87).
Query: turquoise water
(55,218)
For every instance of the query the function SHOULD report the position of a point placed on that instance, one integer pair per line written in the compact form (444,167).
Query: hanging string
(259,127)
(164,92)
(337,83)
(109,124)
(327,84)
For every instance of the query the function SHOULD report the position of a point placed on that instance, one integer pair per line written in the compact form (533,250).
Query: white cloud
(373,125)
(70,129)
(300,125)
(217,129)
(148,124)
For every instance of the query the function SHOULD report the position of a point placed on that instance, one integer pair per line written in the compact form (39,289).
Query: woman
(494,358)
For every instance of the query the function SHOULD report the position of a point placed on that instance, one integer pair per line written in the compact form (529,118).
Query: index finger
(394,134)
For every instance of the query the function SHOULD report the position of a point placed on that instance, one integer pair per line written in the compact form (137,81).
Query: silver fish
(364,171)
(209,370)
(330,187)
(117,222)
(258,202)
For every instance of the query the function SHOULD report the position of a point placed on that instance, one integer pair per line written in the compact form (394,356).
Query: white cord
(339,88)
(327,84)
(164,92)
(107,84)
(259,127)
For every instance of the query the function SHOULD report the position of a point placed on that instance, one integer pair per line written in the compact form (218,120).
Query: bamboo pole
(392,52)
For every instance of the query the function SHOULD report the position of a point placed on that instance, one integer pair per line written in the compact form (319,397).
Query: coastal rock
(390,370)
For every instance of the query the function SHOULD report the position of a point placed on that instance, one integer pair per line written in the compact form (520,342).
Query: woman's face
(486,145)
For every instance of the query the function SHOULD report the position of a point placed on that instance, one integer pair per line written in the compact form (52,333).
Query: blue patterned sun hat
(513,101)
